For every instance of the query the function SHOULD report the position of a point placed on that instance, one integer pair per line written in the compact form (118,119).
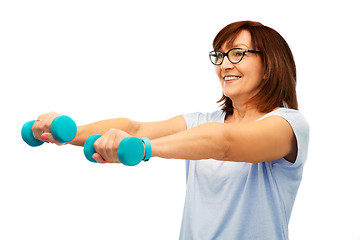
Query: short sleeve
(197,118)
(301,131)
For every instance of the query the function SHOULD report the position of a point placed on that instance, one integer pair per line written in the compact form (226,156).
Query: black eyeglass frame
(227,55)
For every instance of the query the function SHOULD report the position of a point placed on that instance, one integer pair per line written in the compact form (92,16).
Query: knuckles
(98,146)
(108,148)
(113,131)
(108,144)
(105,146)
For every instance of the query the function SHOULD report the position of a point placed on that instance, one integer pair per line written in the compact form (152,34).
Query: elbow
(234,148)
(226,153)
(217,141)
(226,143)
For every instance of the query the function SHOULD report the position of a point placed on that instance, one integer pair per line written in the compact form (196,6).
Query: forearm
(101,127)
(206,141)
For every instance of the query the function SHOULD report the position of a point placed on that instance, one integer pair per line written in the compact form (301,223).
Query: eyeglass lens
(234,55)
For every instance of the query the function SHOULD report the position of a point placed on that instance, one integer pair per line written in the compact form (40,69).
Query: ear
(266,75)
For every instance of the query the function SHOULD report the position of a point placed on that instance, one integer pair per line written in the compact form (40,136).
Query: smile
(230,78)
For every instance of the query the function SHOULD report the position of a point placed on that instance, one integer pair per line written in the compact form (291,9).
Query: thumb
(98,158)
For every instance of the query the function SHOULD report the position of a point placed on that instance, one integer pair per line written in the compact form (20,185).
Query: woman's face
(240,81)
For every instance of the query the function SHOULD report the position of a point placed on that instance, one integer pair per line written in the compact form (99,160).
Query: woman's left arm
(265,140)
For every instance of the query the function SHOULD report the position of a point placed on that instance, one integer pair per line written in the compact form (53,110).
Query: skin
(240,91)
(241,138)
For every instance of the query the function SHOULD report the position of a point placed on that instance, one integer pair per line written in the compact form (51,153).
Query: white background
(148,60)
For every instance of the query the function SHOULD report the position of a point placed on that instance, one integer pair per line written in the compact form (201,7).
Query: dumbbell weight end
(63,129)
(27,134)
(89,149)
(131,151)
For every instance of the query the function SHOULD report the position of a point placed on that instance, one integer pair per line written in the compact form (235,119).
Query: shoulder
(294,117)
(284,112)
(299,126)
(196,118)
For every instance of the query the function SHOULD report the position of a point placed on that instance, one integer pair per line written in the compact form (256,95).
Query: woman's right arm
(152,130)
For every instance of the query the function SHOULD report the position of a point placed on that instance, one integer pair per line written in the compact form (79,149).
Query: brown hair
(278,88)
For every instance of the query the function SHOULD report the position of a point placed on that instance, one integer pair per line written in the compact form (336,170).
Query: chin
(231,93)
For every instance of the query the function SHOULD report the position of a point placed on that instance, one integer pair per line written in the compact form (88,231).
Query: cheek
(218,73)
(259,75)
(253,72)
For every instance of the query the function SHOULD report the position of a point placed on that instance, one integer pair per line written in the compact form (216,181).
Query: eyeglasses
(234,55)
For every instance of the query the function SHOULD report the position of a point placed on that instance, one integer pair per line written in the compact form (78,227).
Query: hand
(41,128)
(107,146)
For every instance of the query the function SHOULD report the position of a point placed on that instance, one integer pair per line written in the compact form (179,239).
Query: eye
(238,53)
(216,57)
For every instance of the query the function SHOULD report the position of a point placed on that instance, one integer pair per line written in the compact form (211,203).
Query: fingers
(41,127)
(48,137)
(103,152)
(98,158)
(107,146)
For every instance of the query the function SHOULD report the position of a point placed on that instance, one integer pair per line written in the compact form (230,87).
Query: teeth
(231,78)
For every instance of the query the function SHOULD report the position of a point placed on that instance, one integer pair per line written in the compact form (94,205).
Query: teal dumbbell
(130,152)
(63,129)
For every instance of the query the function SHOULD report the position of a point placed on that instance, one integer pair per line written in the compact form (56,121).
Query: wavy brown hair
(278,88)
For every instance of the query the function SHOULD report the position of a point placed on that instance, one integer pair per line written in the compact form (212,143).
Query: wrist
(80,138)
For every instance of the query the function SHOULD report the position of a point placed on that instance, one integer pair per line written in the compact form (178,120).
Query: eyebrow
(239,45)
(236,46)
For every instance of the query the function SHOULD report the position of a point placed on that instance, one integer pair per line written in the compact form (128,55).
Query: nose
(226,64)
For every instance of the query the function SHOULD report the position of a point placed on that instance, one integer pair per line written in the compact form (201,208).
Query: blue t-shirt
(238,200)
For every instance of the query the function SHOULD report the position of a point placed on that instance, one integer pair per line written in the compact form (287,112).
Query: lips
(231,77)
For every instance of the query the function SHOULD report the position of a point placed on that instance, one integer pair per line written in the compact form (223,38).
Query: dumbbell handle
(130,152)
(63,129)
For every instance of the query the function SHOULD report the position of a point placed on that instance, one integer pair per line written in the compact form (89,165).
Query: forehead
(241,40)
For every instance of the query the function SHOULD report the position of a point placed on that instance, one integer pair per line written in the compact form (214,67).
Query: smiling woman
(277,88)
(244,163)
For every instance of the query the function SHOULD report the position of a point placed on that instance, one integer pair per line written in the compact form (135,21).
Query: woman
(252,152)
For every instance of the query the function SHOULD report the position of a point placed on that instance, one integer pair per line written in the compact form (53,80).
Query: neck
(244,114)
